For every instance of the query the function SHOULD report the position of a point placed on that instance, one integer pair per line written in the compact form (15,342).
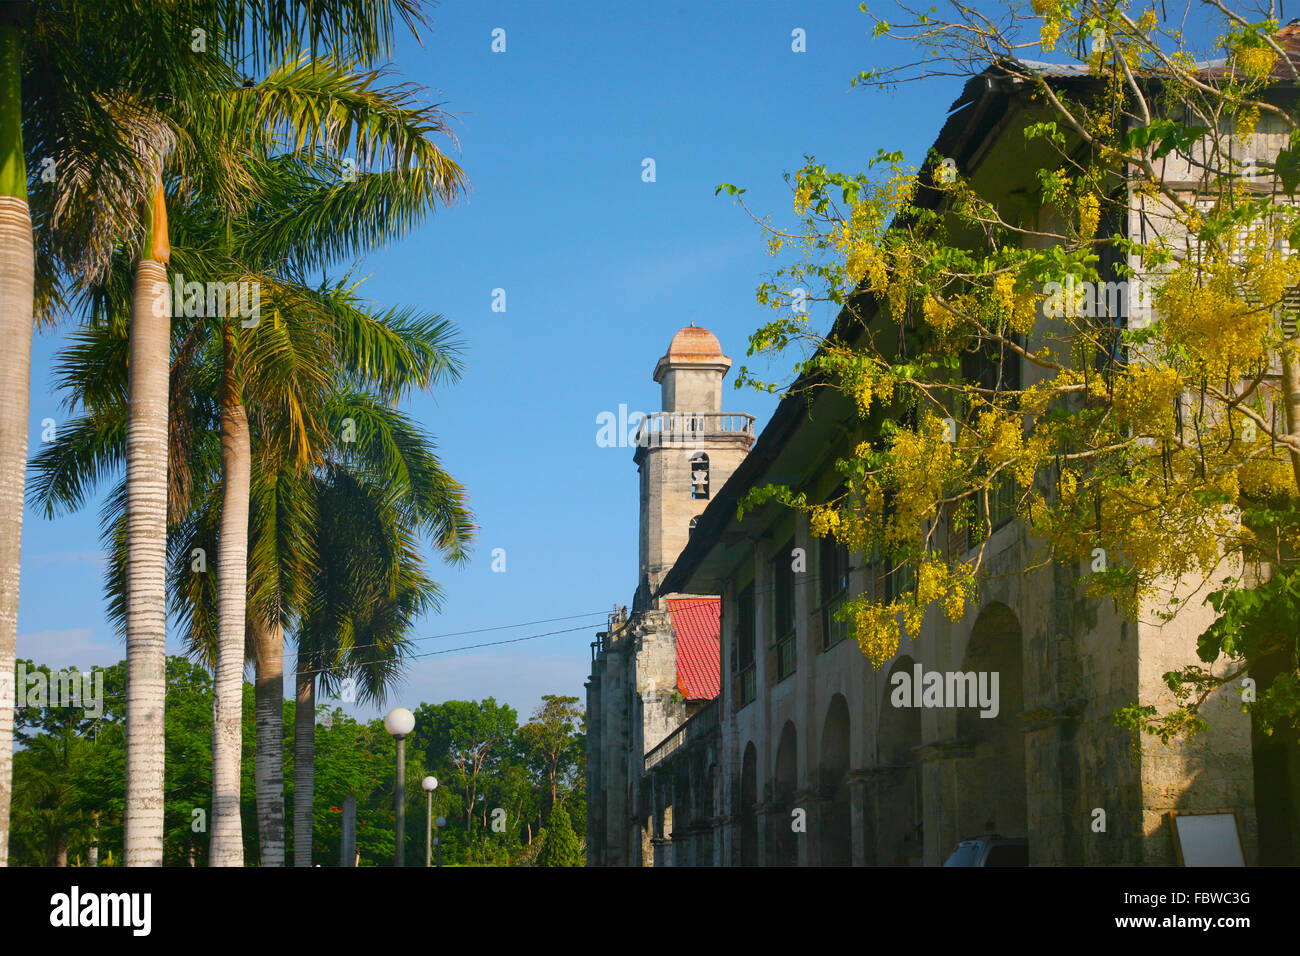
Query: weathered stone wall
(692,389)
(667,506)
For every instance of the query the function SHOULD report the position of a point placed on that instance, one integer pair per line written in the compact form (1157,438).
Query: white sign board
(1208,839)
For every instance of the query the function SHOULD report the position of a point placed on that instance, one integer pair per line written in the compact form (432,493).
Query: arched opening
(785,845)
(699,475)
(991,781)
(899,809)
(835,829)
(748,809)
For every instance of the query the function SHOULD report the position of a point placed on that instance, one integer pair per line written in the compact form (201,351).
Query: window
(833,569)
(745,641)
(992,365)
(699,475)
(900,575)
(1003,497)
(783,605)
(1114,290)
(694,522)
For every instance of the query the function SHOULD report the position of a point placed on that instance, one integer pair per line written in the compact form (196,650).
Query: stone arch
(835,827)
(785,782)
(898,807)
(991,791)
(747,811)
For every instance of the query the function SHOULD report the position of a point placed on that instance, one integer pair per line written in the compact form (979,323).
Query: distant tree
(48,804)
(560,845)
(469,736)
(553,739)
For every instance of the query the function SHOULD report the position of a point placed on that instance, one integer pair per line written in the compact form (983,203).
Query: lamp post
(399,723)
(430,784)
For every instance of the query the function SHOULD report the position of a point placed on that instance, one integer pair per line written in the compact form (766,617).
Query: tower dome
(695,356)
(695,343)
(685,452)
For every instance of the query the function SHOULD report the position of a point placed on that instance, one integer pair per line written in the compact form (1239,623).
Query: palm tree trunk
(232,600)
(17,276)
(304,756)
(146,533)
(268,770)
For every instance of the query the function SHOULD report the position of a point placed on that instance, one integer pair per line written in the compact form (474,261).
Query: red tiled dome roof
(694,342)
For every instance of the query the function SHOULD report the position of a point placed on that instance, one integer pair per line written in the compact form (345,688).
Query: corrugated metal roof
(697,622)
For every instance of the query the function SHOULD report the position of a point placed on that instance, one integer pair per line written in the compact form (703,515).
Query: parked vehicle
(990,850)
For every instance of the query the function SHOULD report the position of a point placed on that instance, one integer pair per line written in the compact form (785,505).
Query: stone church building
(732,721)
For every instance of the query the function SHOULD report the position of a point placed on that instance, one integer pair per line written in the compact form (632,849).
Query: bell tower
(686,452)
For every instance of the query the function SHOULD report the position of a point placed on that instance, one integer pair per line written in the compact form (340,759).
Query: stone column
(942,798)
(764,814)
(862,819)
(812,803)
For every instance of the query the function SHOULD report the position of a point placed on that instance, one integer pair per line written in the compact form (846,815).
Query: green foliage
(999,373)
(70,776)
(560,845)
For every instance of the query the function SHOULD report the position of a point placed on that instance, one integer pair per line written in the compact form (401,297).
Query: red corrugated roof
(697,623)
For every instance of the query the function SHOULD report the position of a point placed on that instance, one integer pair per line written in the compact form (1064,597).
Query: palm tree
(310,104)
(367,589)
(17,272)
(362,28)
(47,794)
(84,89)
(62,63)
(313,215)
(388,352)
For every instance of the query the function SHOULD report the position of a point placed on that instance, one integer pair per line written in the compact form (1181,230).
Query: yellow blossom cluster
(937,316)
(1001,438)
(1019,309)
(1263,479)
(1089,215)
(1167,536)
(1256,62)
(1211,324)
(952,588)
(877,630)
(1247,120)
(863,259)
(900,286)
(802,197)
(1144,399)
(920,462)
(867,387)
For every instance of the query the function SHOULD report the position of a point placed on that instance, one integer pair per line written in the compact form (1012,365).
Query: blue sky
(599,270)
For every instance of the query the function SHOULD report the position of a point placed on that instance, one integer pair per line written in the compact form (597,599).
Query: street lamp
(399,723)
(430,784)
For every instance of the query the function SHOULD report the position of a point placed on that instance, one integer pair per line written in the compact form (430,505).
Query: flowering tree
(1093,338)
